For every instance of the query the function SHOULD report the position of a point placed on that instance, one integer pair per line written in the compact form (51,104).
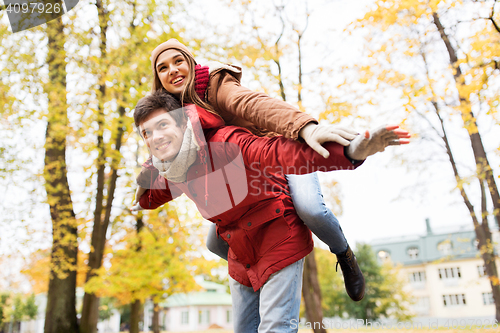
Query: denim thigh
(309,204)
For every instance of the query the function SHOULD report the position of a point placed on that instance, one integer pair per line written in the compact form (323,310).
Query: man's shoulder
(227,133)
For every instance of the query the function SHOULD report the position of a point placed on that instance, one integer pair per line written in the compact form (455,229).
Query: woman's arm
(230,99)
(262,114)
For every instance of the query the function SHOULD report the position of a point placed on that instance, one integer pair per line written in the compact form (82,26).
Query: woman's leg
(307,198)
(216,244)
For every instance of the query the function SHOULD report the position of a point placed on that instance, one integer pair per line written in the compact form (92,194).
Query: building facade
(110,325)
(195,311)
(445,274)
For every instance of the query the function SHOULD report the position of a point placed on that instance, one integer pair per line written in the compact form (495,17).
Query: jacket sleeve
(279,155)
(159,194)
(226,95)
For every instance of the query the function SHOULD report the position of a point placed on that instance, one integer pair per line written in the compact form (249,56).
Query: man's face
(173,71)
(162,134)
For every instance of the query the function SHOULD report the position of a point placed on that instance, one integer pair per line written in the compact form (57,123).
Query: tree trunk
(483,166)
(60,316)
(482,231)
(484,172)
(135,311)
(312,294)
(90,307)
(310,284)
(135,316)
(156,318)
(487,251)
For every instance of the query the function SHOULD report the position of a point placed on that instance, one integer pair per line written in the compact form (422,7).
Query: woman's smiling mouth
(178,80)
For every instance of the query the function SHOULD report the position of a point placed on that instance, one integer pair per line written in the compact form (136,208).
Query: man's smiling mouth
(163,146)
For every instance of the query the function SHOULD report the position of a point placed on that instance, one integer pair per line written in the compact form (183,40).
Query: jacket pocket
(266,227)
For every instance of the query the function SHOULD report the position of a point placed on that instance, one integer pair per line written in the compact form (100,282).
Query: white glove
(138,194)
(136,207)
(314,135)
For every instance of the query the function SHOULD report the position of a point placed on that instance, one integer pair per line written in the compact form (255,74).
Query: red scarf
(201,77)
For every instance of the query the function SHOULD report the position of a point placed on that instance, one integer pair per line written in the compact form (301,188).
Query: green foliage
(3,301)
(106,307)
(17,307)
(332,285)
(384,297)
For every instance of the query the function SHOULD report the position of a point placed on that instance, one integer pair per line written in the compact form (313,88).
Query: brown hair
(159,99)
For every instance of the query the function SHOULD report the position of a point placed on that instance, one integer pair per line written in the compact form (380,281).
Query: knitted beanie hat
(169,44)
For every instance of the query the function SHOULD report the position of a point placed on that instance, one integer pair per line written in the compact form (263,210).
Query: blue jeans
(274,307)
(307,198)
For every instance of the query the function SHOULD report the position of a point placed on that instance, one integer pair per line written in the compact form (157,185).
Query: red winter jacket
(238,183)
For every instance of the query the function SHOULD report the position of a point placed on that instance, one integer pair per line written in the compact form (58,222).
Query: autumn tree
(450,90)
(61,298)
(154,262)
(116,73)
(385,296)
(97,106)
(34,70)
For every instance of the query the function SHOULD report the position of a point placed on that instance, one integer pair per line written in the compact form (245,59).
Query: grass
(365,330)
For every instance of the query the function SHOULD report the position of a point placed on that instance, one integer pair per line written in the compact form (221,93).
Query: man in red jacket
(236,180)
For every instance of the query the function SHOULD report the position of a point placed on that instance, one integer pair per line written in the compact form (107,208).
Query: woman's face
(173,70)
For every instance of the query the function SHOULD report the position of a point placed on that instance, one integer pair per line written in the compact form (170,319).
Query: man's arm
(159,194)
(280,155)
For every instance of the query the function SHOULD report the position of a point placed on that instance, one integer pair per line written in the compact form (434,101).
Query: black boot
(353,278)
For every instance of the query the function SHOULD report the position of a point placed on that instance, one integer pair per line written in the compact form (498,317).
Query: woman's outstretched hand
(376,141)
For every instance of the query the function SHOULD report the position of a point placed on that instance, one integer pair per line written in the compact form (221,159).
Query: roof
(212,286)
(198,298)
(457,243)
(212,294)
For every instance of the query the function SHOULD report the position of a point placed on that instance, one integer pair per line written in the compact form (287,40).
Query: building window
(417,277)
(449,273)
(417,280)
(445,247)
(488,299)
(481,270)
(383,255)
(204,316)
(229,316)
(412,252)
(454,300)
(185,317)
(421,305)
